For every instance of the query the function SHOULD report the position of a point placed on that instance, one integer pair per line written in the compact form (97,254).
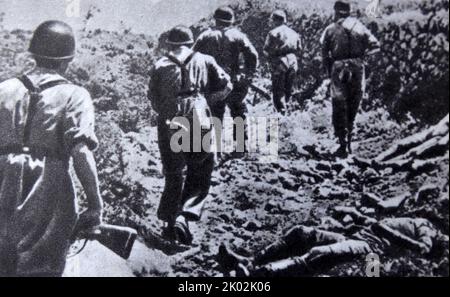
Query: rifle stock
(118,239)
(261,92)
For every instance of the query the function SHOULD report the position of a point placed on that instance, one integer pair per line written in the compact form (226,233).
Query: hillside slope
(252,202)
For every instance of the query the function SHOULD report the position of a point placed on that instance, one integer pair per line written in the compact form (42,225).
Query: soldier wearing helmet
(282,47)
(178,84)
(55,124)
(227,44)
(345,43)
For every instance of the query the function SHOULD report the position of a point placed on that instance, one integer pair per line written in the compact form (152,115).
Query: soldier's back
(286,37)
(166,76)
(223,45)
(347,38)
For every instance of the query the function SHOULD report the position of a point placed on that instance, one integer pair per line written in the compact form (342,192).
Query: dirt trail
(251,202)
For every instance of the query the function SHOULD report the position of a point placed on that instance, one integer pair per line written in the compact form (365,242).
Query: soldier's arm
(86,170)
(300,49)
(373,45)
(153,92)
(250,53)
(400,239)
(80,140)
(326,50)
(268,45)
(299,45)
(219,84)
(199,45)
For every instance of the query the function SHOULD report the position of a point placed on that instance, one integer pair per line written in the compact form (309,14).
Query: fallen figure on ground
(419,153)
(308,250)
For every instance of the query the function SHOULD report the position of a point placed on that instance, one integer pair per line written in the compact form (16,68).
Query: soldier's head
(53,45)
(342,9)
(180,36)
(279,17)
(224,16)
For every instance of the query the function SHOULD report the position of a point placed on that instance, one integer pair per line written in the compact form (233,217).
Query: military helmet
(180,35)
(225,14)
(280,15)
(53,40)
(342,6)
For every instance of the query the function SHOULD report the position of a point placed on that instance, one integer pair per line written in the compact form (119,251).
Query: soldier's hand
(89,220)
(185,106)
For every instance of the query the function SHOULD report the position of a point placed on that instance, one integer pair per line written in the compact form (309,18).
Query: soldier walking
(345,43)
(227,44)
(45,121)
(282,47)
(178,82)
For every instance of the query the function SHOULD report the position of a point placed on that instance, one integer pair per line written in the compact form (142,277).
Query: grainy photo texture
(224,138)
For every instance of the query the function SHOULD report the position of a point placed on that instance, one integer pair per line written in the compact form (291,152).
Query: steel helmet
(342,6)
(53,40)
(180,35)
(280,15)
(225,14)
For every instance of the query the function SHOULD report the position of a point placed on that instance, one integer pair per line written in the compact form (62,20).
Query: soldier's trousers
(238,108)
(347,89)
(185,192)
(284,73)
(320,249)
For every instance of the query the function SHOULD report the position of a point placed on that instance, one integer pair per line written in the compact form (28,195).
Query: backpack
(356,45)
(192,105)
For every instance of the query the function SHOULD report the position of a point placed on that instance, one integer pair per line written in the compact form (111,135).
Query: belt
(282,54)
(185,94)
(346,59)
(33,151)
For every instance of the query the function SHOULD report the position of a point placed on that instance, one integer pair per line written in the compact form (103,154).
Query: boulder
(427,193)
(370,200)
(393,204)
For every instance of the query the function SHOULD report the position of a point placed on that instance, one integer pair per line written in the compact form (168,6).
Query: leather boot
(349,143)
(342,150)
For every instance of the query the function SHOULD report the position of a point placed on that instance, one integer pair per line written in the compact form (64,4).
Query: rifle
(261,91)
(118,239)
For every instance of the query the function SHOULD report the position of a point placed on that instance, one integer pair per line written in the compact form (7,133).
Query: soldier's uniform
(307,249)
(282,46)
(181,196)
(345,43)
(227,45)
(43,117)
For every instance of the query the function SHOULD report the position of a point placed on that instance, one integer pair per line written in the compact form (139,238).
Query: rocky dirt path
(252,202)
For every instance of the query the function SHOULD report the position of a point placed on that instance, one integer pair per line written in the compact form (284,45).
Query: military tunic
(318,248)
(344,45)
(282,46)
(226,46)
(183,196)
(37,197)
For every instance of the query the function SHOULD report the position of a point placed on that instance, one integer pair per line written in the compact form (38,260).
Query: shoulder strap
(185,83)
(348,32)
(35,96)
(179,63)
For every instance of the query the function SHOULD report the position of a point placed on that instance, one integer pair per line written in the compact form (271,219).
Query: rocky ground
(253,202)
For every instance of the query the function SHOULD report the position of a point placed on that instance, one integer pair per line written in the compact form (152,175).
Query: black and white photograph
(226,139)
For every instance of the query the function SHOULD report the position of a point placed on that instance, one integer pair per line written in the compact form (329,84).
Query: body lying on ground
(307,250)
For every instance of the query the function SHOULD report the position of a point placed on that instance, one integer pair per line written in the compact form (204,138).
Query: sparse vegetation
(252,203)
